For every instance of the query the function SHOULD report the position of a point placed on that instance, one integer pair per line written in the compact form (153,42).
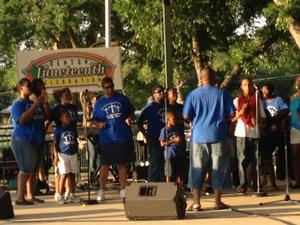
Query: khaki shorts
(295,136)
(67,164)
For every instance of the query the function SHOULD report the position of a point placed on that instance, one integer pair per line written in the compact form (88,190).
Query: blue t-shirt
(154,114)
(19,106)
(174,150)
(113,112)
(71,108)
(208,108)
(295,109)
(38,126)
(177,110)
(65,138)
(275,106)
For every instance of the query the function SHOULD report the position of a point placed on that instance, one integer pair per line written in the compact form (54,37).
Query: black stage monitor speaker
(146,201)
(6,209)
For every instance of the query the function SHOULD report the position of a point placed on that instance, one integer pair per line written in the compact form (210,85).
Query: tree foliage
(235,37)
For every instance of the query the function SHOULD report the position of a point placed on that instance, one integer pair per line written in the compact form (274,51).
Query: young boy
(171,139)
(65,156)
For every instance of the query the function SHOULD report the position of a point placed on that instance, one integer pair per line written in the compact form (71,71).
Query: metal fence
(8,165)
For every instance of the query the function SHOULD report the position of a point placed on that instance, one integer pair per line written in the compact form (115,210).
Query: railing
(8,166)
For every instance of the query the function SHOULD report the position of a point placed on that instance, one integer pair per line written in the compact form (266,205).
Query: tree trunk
(197,50)
(236,70)
(73,38)
(293,25)
(294,28)
(178,85)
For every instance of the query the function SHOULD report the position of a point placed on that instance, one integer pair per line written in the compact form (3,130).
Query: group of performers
(226,135)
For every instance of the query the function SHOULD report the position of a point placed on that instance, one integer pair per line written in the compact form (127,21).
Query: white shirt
(242,129)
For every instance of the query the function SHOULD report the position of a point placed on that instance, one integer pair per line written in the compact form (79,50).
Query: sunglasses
(108,86)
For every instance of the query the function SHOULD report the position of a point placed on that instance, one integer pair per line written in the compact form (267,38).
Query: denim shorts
(205,157)
(26,155)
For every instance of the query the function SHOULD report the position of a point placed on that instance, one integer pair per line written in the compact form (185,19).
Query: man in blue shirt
(153,114)
(208,109)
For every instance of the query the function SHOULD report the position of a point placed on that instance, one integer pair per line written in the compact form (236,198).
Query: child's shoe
(101,196)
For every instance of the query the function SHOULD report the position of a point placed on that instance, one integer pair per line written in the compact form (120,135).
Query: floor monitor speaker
(146,201)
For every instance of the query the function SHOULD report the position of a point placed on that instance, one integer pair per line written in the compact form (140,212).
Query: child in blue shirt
(64,102)
(171,138)
(65,156)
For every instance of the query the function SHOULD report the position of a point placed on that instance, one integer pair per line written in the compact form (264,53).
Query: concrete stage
(245,210)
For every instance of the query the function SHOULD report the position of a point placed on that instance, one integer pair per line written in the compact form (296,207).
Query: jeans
(26,155)
(208,156)
(157,163)
(247,148)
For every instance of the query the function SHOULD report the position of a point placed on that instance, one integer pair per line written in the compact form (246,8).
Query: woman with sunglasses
(113,114)
(25,114)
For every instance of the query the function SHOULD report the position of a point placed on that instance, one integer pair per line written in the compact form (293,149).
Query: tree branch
(73,37)
(197,50)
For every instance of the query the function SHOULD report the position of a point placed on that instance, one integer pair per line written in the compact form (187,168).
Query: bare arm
(186,119)
(55,152)
(29,113)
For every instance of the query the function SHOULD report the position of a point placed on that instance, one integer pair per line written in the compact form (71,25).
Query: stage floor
(246,209)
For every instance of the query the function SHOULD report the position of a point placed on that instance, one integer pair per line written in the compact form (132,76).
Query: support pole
(107,23)
(167,44)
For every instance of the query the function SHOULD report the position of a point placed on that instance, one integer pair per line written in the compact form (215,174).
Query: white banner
(79,69)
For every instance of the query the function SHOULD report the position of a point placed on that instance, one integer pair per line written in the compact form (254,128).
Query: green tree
(203,33)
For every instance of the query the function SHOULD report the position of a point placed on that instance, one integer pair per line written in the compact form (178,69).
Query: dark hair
(64,90)
(246,78)
(56,95)
(270,87)
(157,87)
(37,86)
(22,82)
(106,80)
(172,89)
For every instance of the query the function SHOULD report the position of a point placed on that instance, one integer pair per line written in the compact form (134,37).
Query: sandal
(36,200)
(23,202)
(221,206)
(194,207)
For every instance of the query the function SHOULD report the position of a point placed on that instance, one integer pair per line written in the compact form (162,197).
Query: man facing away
(208,109)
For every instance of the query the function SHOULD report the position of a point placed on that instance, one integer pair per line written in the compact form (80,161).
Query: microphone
(255,87)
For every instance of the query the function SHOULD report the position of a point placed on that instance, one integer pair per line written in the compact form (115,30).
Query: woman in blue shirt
(113,114)
(295,132)
(25,115)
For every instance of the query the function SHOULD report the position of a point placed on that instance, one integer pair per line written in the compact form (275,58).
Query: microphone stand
(259,192)
(287,197)
(88,201)
(166,133)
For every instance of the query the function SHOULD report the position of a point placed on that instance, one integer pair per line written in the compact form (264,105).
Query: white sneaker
(122,193)
(71,198)
(56,195)
(101,196)
(61,200)
(67,195)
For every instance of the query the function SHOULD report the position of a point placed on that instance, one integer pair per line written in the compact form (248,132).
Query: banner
(79,69)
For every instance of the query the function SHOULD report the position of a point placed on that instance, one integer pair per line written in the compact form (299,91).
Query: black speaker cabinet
(6,209)
(145,201)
